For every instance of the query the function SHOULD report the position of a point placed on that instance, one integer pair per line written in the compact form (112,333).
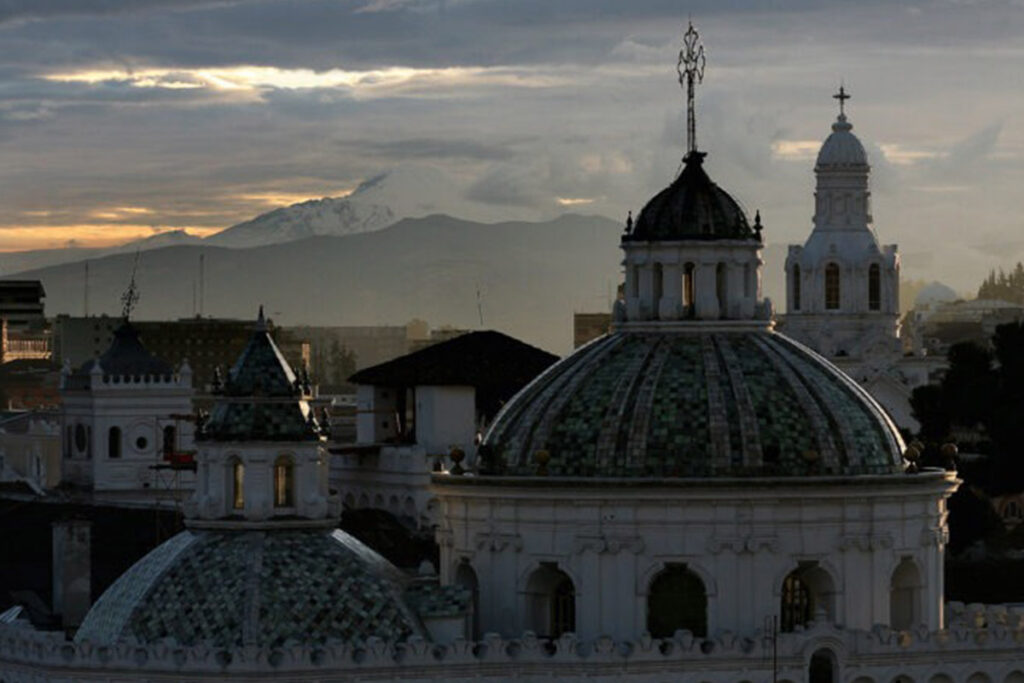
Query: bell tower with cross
(842,285)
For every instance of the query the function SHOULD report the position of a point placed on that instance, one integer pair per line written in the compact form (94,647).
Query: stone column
(671,292)
(707,292)
(72,570)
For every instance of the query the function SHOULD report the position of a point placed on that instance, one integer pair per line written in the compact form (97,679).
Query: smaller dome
(842,148)
(259,588)
(693,207)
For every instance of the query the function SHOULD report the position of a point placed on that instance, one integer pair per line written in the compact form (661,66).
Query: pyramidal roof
(127,356)
(262,398)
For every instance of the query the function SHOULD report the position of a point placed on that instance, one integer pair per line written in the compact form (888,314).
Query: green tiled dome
(263,588)
(692,404)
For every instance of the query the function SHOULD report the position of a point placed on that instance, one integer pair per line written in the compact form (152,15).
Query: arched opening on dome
(170,435)
(114,442)
(823,667)
(796,288)
(236,483)
(831,287)
(465,576)
(284,482)
(808,594)
(677,601)
(905,596)
(658,289)
(689,292)
(874,287)
(551,602)
(722,290)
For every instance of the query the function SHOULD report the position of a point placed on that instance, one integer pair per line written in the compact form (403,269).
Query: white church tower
(842,287)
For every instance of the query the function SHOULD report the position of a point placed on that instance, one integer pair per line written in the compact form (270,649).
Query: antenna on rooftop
(85,291)
(479,306)
(131,295)
(202,282)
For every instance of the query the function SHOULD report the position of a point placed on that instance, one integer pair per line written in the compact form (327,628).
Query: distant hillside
(531,277)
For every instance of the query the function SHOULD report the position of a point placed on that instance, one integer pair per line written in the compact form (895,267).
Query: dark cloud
(431,148)
(11,10)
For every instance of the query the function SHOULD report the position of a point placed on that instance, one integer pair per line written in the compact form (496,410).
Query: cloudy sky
(121,118)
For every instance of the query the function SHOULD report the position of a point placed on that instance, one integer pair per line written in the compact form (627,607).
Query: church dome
(693,207)
(693,404)
(260,588)
(842,148)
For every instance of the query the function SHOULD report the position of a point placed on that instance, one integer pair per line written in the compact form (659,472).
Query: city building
(30,448)
(425,411)
(586,327)
(123,414)
(21,303)
(207,343)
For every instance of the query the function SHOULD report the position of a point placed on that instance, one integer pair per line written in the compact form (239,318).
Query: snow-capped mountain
(327,216)
(405,192)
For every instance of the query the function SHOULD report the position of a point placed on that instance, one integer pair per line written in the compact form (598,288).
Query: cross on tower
(690,68)
(842,97)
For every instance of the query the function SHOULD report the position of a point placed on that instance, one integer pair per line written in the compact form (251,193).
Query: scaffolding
(168,492)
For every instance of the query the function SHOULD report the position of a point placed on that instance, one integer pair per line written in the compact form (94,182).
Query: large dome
(692,207)
(262,588)
(693,404)
(842,148)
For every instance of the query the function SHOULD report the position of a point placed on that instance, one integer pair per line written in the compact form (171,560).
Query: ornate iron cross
(842,97)
(690,68)
(131,295)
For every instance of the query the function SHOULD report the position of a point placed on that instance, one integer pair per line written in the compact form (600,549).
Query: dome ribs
(634,448)
(611,452)
(820,422)
(718,423)
(554,400)
(749,432)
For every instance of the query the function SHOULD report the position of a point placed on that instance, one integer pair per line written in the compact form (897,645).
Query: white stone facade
(741,538)
(115,426)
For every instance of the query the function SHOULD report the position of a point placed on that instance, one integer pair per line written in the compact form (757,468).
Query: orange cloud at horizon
(88,235)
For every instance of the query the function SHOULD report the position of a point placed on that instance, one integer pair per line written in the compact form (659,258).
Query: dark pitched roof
(692,207)
(127,356)
(476,359)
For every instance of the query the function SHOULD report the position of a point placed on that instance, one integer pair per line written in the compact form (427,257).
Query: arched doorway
(823,667)
(808,593)
(466,577)
(677,600)
(551,602)
(905,596)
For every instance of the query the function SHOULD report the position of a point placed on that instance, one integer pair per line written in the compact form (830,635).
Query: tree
(342,363)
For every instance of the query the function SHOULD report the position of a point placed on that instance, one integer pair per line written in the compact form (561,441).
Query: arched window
(874,287)
(237,484)
(466,577)
(169,445)
(796,288)
(284,482)
(905,596)
(823,667)
(721,290)
(114,443)
(831,287)
(677,601)
(551,602)
(808,593)
(689,293)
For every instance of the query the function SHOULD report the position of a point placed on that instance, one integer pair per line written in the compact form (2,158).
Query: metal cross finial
(131,295)
(690,68)
(842,97)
